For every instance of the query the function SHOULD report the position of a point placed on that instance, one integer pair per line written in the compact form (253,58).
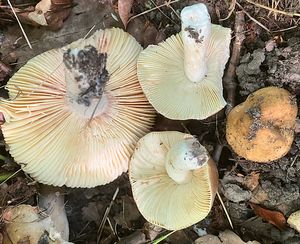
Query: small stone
(235,193)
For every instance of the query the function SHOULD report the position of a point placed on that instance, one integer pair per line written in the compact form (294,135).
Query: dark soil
(267,58)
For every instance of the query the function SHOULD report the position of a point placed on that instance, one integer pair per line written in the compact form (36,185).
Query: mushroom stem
(196,32)
(51,200)
(183,158)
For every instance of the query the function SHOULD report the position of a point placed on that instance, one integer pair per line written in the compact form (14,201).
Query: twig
(150,10)
(228,81)
(231,9)
(225,210)
(21,27)
(285,29)
(101,226)
(253,19)
(274,9)
(10,176)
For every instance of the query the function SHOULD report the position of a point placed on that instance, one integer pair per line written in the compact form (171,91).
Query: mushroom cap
(294,220)
(261,129)
(163,80)
(27,224)
(159,198)
(52,141)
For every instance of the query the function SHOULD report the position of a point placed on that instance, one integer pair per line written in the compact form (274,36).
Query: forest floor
(258,197)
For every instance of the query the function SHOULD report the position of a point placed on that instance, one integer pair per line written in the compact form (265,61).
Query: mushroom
(75,113)
(294,220)
(173,179)
(45,223)
(182,76)
(261,129)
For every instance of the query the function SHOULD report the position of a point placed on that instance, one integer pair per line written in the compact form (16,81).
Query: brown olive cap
(261,129)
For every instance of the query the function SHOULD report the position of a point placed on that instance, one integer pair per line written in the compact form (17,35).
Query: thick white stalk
(183,158)
(196,32)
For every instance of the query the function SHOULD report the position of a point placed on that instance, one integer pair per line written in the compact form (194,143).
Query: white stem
(183,158)
(196,32)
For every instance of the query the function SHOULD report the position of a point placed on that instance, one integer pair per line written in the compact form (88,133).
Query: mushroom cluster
(74,114)
(261,129)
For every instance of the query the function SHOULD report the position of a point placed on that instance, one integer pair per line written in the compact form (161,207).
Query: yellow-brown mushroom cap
(58,140)
(163,80)
(261,129)
(160,199)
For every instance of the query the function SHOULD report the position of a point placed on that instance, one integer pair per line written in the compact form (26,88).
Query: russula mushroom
(27,224)
(75,113)
(261,129)
(182,76)
(294,220)
(173,179)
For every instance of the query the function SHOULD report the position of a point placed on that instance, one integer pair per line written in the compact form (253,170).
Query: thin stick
(225,210)
(10,176)
(229,77)
(150,10)
(274,9)
(21,27)
(253,19)
(101,226)
(231,8)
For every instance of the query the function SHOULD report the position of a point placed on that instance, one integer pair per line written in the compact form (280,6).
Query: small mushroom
(173,179)
(75,113)
(44,224)
(182,76)
(294,220)
(261,129)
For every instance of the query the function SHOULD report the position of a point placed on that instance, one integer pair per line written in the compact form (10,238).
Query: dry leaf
(251,181)
(51,13)
(124,8)
(273,217)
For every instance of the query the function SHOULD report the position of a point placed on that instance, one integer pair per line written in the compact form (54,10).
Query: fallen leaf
(251,181)
(124,8)
(5,70)
(150,35)
(273,217)
(51,13)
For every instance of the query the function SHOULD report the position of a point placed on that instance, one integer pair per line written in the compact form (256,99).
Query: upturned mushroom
(261,129)
(182,76)
(74,114)
(173,179)
(45,223)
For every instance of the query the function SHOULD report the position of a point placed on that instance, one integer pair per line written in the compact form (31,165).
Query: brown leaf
(273,217)
(124,8)
(251,181)
(49,13)
(5,70)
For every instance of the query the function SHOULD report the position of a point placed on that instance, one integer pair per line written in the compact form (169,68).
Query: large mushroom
(261,129)
(74,114)
(173,179)
(182,77)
